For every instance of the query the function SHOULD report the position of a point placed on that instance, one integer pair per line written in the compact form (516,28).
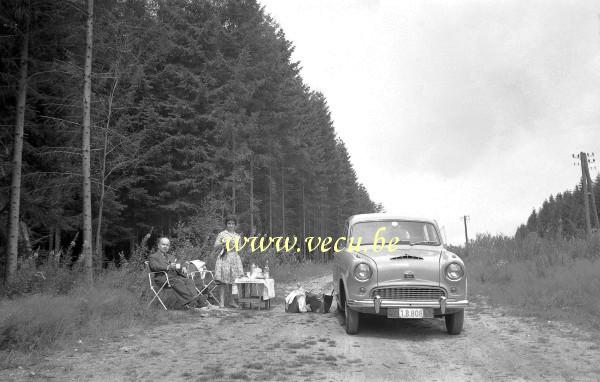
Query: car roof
(385,216)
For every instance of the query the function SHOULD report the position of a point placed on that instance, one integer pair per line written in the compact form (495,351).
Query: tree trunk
(98,245)
(26,240)
(12,249)
(86,172)
(51,240)
(303,225)
(56,245)
(252,231)
(131,245)
(69,253)
(233,172)
(99,248)
(270,202)
(282,200)
(57,237)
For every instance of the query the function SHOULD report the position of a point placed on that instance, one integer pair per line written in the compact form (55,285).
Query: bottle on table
(266,271)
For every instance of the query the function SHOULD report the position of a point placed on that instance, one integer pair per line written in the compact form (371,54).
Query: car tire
(454,322)
(352,319)
(340,307)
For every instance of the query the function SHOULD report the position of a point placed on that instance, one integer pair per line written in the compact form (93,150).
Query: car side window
(431,233)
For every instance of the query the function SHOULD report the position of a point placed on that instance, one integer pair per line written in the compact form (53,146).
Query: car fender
(351,285)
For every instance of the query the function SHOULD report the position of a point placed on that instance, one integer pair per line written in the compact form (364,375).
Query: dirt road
(274,345)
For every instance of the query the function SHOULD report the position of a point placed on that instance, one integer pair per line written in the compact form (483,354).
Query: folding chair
(154,287)
(209,287)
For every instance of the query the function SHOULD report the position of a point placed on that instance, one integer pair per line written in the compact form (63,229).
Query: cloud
(456,107)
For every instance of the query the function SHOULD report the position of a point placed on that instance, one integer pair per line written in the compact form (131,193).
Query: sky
(455,108)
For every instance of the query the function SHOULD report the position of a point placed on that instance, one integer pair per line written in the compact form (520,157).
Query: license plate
(405,313)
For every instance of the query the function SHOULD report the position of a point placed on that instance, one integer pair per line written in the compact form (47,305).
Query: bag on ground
(315,302)
(327,301)
(295,302)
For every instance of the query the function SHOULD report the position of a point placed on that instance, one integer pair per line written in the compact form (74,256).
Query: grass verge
(58,311)
(46,318)
(551,279)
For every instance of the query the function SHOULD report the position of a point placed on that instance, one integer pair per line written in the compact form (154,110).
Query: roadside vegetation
(555,279)
(51,306)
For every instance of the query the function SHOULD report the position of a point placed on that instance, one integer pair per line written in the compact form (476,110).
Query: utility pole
(587,191)
(584,162)
(466,218)
(586,205)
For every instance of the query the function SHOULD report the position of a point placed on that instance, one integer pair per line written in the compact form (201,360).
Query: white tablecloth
(267,286)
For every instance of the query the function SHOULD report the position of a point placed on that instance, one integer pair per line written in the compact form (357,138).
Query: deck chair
(156,289)
(208,284)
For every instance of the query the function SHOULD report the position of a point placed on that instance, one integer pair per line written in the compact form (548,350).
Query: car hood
(423,263)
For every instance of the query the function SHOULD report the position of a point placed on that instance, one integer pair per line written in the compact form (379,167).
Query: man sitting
(161,260)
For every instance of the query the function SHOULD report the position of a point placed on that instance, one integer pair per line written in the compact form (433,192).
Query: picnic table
(255,291)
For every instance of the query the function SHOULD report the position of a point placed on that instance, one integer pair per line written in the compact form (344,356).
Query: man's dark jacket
(183,286)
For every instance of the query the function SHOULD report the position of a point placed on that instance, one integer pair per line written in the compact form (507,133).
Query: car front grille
(409,293)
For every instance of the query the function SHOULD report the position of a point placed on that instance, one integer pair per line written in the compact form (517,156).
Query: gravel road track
(230,345)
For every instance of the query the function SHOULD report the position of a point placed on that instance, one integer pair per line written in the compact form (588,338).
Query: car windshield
(406,232)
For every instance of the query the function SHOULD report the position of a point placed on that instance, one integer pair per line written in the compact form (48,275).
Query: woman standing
(229,264)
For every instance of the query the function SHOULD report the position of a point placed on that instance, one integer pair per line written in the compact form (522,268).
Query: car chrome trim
(377,303)
(407,257)
(446,271)
(365,280)
(407,304)
(410,292)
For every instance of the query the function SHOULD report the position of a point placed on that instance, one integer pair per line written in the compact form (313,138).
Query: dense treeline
(560,216)
(197,111)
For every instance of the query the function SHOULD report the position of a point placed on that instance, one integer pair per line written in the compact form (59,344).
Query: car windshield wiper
(425,243)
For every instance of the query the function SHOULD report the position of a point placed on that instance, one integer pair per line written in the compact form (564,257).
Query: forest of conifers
(197,111)
(561,216)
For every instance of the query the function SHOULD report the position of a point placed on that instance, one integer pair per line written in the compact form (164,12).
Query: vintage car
(398,267)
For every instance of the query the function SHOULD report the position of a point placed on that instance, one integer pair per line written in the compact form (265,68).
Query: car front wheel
(340,306)
(454,322)
(351,319)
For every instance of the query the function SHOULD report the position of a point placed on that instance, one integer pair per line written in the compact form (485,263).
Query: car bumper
(441,306)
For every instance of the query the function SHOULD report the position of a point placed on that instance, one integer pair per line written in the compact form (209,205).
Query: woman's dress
(229,265)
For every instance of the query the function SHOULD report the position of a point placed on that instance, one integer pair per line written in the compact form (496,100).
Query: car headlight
(362,272)
(454,271)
